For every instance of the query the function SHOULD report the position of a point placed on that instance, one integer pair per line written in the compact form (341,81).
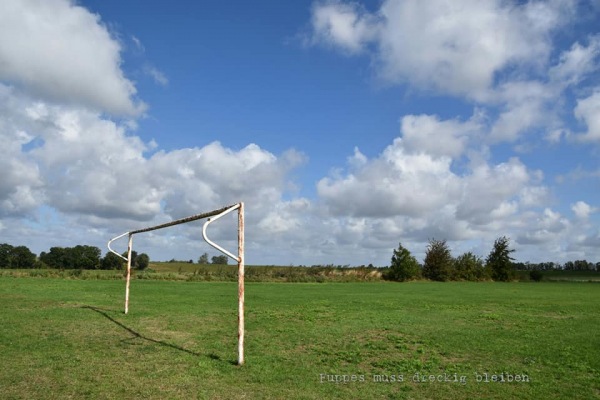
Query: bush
(536,275)
(469,267)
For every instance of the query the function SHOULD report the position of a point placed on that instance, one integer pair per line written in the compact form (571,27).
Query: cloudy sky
(345,127)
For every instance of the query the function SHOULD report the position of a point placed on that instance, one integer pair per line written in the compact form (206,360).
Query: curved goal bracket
(213,244)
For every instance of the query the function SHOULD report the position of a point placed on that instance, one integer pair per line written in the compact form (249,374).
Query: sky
(346,128)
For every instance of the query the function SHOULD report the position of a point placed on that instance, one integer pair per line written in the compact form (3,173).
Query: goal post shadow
(211,216)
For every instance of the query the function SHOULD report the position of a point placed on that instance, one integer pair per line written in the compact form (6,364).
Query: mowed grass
(64,338)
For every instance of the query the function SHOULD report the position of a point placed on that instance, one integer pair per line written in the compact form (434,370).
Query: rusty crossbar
(240,257)
(186,219)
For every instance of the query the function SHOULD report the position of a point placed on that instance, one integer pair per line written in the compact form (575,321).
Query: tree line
(499,265)
(78,257)
(438,265)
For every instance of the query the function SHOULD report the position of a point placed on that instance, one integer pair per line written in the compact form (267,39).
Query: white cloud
(411,182)
(61,52)
(428,134)
(588,111)
(582,210)
(457,47)
(491,190)
(205,177)
(397,182)
(138,45)
(524,108)
(545,228)
(157,75)
(20,180)
(343,25)
(575,63)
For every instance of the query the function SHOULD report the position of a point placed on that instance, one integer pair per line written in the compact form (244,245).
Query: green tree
(134,256)
(203,259)
(78,257)
(5,255)
(55,258)
(84,257)
(142,261)
(22,257)
(499,260)
(16,256)
(112,261)
(404,266)
(469,267)
(438,262)
(220,260)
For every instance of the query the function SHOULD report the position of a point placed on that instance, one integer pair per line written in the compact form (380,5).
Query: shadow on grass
(137,335)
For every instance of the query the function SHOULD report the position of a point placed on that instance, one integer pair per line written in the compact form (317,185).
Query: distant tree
(499,260)
(16,257)
(78,257)
(203,259)
(84,257)
(583,265)
(142,261)
(438,262)
(469,267)
(22,257)
(112,261)
(569,266)
(403,267)
(220,260)
(134,256)
(55,258)
(5,255)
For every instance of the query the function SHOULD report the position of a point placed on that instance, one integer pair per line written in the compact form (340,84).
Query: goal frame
(211,217)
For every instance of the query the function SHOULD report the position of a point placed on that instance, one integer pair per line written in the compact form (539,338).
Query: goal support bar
(212,216)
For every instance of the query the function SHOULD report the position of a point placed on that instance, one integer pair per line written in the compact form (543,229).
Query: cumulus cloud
(582,210)
(59,51)
(411,181)
(498,54)
(345,25)
(397,182)
(524,103)
(588,112)
(20,181)
(575,63)
(411,191)
(458,47)
(428,134)
(204,177)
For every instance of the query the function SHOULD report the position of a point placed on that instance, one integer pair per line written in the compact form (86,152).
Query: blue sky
(346,127)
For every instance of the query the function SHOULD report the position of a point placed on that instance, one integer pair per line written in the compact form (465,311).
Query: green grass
(62,338)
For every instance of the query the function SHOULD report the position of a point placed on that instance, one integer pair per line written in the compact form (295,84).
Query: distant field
(183,271)
(575,276)
(64,338)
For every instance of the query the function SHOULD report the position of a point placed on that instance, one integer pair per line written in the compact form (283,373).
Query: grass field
(62,338)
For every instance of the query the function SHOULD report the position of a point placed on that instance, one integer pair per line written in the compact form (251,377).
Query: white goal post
(212,216)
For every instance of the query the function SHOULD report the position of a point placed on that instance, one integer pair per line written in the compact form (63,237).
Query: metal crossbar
(187,219)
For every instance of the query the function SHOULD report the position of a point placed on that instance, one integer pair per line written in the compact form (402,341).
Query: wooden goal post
(211,217)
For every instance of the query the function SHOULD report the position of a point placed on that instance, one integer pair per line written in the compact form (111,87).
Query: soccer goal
(211,217)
